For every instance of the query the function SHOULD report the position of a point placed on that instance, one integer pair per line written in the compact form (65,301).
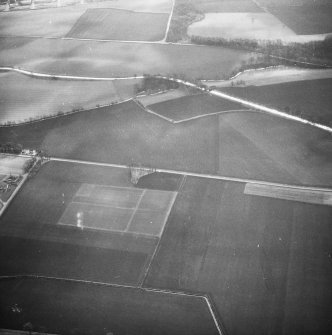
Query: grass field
(264,261)
(108,59)
(310,98)
(194,105)
(226,6)
(41,97)
(104,245)
(305,20)
(76,308)
(123,25)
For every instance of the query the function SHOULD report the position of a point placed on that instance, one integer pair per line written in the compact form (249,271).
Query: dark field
(265,262)
(121,25)
(124,134)
(259,145)
(310,98)
(226,6)
(32,241)
(116,59)
(244,144)
(65,307)
(193,105)
(305,20)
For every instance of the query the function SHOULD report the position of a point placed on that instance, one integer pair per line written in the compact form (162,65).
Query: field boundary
(147,268)
(205,297)
(169,22)
(215,113)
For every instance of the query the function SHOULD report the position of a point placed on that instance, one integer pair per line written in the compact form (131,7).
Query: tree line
(315,52)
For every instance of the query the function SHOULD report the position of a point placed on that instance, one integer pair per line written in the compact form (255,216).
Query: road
(198,174)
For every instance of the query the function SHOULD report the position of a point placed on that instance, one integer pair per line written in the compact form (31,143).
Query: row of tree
(152,84)
(184,14)
(318,52)
(11,148)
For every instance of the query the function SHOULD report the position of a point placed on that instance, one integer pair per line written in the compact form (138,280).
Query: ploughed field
(116,59)
(265,262)
(63,307)
(123,25)
(84,222)
(240,144)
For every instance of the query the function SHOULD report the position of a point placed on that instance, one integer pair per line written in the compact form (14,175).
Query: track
(200,175)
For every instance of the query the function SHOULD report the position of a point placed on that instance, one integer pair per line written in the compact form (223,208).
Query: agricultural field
(272,76)
(106,228)
(184,108)
(242,144)
(10,164)
(117,24)
(39,98)
(260,26)
(258,144)
(151,99)
(311,98)
(52,22)
(124,134)
(226,6)
(66,307)
(115,59)
(264,261)
(305,20)
(147,6)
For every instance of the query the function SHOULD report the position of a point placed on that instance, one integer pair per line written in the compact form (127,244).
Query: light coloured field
(107,59)
(240,25)
(119,209)
(273,76)
(259,26)
(12,164)
(22,97)
(286,193)
(148,6)
(226,6)
(122,25)
(161,97)
(53,22)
